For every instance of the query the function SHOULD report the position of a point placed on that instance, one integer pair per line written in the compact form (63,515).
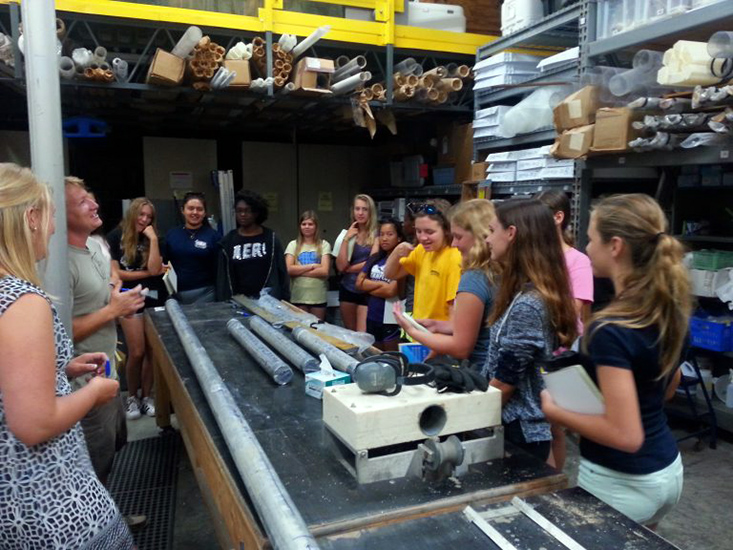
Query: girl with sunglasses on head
(465,335)
(351,250)
(308,259)
(435,264)
(136,255)
(629,456)
(191,250)
(532,316)
(383,292)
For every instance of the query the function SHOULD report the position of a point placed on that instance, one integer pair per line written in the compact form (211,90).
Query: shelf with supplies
(555,32)
(492,143)
(527,187)
(676,157)
(696,24)
(416,192)
(565,74)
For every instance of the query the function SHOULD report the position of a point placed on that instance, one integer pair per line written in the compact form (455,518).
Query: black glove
(458,379)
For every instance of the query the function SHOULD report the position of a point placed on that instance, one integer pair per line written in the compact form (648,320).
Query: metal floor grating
(143,481)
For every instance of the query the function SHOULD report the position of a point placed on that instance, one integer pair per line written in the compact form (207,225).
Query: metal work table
(401,513)
(288,425)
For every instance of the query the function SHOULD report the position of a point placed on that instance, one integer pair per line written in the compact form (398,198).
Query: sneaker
(148,406)
(132,411)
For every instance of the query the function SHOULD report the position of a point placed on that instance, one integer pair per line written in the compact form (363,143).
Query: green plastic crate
(712,260)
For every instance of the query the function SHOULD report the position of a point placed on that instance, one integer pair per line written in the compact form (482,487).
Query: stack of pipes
(433,87)
(350,75)
(282,60)
(87,65)
(204,62)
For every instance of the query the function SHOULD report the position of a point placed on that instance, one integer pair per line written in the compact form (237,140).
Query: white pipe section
(47,151)
(66,68)
(287,348)
(406,67)
(282,521)
(100,55)
(275,367)
(359,61)
(119,66)
(82,57)
(346,74)
(187,42)
(351,83)
(289,87)
(339,359)
(307,42)
(287,42)
(219,77)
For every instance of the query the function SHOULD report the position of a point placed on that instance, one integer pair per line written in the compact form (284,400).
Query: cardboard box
(241,67)
(166,69)
(574,143)
(313,76)
(469,190)
(316,382)
(478,171)
(455,147)
(578,109)
(613,129)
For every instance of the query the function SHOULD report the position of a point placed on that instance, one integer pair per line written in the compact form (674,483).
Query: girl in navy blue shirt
(629,457)
(192,251)
(381,290)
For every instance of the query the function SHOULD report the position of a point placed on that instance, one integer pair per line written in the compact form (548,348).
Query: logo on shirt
(377,274)
(200,244)
(249,250)
(307,258)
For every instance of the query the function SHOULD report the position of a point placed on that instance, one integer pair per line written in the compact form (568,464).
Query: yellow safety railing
(272,17)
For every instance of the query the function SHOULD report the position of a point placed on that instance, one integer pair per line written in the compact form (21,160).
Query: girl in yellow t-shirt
(435,264)
(308,259)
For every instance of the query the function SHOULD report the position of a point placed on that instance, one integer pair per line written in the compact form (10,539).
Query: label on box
(316,382)
(576,141)
(575,108)
(312,63)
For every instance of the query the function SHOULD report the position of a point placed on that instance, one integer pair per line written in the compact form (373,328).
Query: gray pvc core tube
(339,359)
(282,520)
(270,363)
(284,345)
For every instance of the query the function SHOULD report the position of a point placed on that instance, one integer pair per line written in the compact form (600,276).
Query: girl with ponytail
(629,457)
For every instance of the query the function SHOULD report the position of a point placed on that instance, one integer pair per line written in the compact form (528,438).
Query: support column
(44,121)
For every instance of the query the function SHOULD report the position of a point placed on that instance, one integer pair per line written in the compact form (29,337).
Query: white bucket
(518,14)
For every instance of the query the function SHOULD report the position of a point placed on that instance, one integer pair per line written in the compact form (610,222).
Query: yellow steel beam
(364,4)
(301,24)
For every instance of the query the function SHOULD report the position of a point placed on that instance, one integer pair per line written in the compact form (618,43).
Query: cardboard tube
(438,71)
(382,96)
(442,97)
(463,71)
(279,64)
(204,42)
(377,88)
(433,94)
(209,74)
(452,69)
(60,29)
(398,80)
(411,80)
(276,47)
(287,68)
(367,94)
(202,86)
(279,82)
(421,94)
(428,81)
(257,41)
(98,74)
(89,73)
(451,84)
(109,76)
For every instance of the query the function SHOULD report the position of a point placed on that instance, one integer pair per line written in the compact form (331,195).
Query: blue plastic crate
(711,334)
(416,353)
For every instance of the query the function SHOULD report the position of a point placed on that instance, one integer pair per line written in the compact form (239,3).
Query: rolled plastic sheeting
(119,67)
(533,112)
(339,359)
(270,363)
(282,521)
(82,57)
(351,83)
(66,68)
(362,340)
(188,41)
(302,360)
(307,42)
(720,45)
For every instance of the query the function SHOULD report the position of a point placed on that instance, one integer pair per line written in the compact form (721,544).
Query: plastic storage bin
(711,334)
(711,260)
(444,175)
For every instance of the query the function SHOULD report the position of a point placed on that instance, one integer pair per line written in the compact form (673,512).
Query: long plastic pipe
(406,66)
(66,68)
(287,348)
(359,61)
(188,41)
(721,44)
(307,42)
(351,71)
(274,366)
(351,83)
(339,359)
(119,66)
(282,521)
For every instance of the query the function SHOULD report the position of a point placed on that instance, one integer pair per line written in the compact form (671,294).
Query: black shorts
(383,332)
(358,298)
(301,306)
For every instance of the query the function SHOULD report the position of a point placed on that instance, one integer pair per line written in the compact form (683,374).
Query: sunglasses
(426,209)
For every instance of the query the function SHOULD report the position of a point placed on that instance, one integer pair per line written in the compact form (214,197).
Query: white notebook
(573,389)
(171,280)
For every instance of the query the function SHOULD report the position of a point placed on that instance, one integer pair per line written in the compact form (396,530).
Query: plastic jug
(518,14)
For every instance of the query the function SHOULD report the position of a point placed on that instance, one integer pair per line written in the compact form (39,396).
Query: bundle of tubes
(690,64)
(89,65)
(432,87)
(282,61)
(204,62)
(706,96)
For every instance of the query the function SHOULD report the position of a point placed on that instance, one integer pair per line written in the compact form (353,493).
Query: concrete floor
(700,521)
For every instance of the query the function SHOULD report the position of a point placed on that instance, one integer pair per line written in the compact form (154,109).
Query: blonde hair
(474,216)
(20,192)
(657,290)
(308,215)
(373,226)
(130,237)
(73,181)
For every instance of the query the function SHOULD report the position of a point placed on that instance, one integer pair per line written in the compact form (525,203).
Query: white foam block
(369,421)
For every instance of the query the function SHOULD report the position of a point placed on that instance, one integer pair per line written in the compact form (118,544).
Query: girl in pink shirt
(581,287)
